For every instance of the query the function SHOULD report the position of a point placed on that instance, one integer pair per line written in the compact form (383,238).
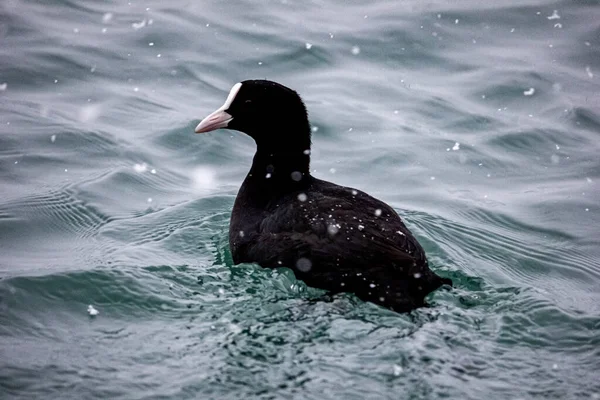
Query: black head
(272,114)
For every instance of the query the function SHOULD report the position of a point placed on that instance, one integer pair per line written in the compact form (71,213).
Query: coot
(335,238)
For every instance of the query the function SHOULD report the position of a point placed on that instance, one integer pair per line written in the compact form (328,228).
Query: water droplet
(308,46)
(417,275)
(354,192)
(242,234)
(268,176)
(529,92)
(149,200)
(306,152)
(332,170)
(361,227)
(456,146)
(151,44)
(53,138)
(153,171)
(302,197)
(355,50)
(377,212)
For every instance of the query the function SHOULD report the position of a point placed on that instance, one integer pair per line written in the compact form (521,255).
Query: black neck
(283,169)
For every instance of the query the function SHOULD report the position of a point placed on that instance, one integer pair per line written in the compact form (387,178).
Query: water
(477,121)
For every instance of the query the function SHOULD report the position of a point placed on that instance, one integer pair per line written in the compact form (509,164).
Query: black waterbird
(334,238)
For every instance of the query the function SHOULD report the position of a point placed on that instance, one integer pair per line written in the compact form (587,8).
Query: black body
(334,238)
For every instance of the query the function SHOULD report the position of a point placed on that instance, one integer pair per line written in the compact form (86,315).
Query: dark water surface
(478,121)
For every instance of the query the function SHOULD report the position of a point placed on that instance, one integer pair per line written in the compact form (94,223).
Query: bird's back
(339,239)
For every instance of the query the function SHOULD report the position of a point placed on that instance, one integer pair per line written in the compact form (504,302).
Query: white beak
(219,118)
(216,120)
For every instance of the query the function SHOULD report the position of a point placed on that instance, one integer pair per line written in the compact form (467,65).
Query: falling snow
(140,167)
(588,71)
(303,264)
(92,310)
(296,176)
(397,370)
(139,25)
(332,229)
(203,178)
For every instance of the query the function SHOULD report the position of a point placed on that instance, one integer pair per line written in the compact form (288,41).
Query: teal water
(478,121)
